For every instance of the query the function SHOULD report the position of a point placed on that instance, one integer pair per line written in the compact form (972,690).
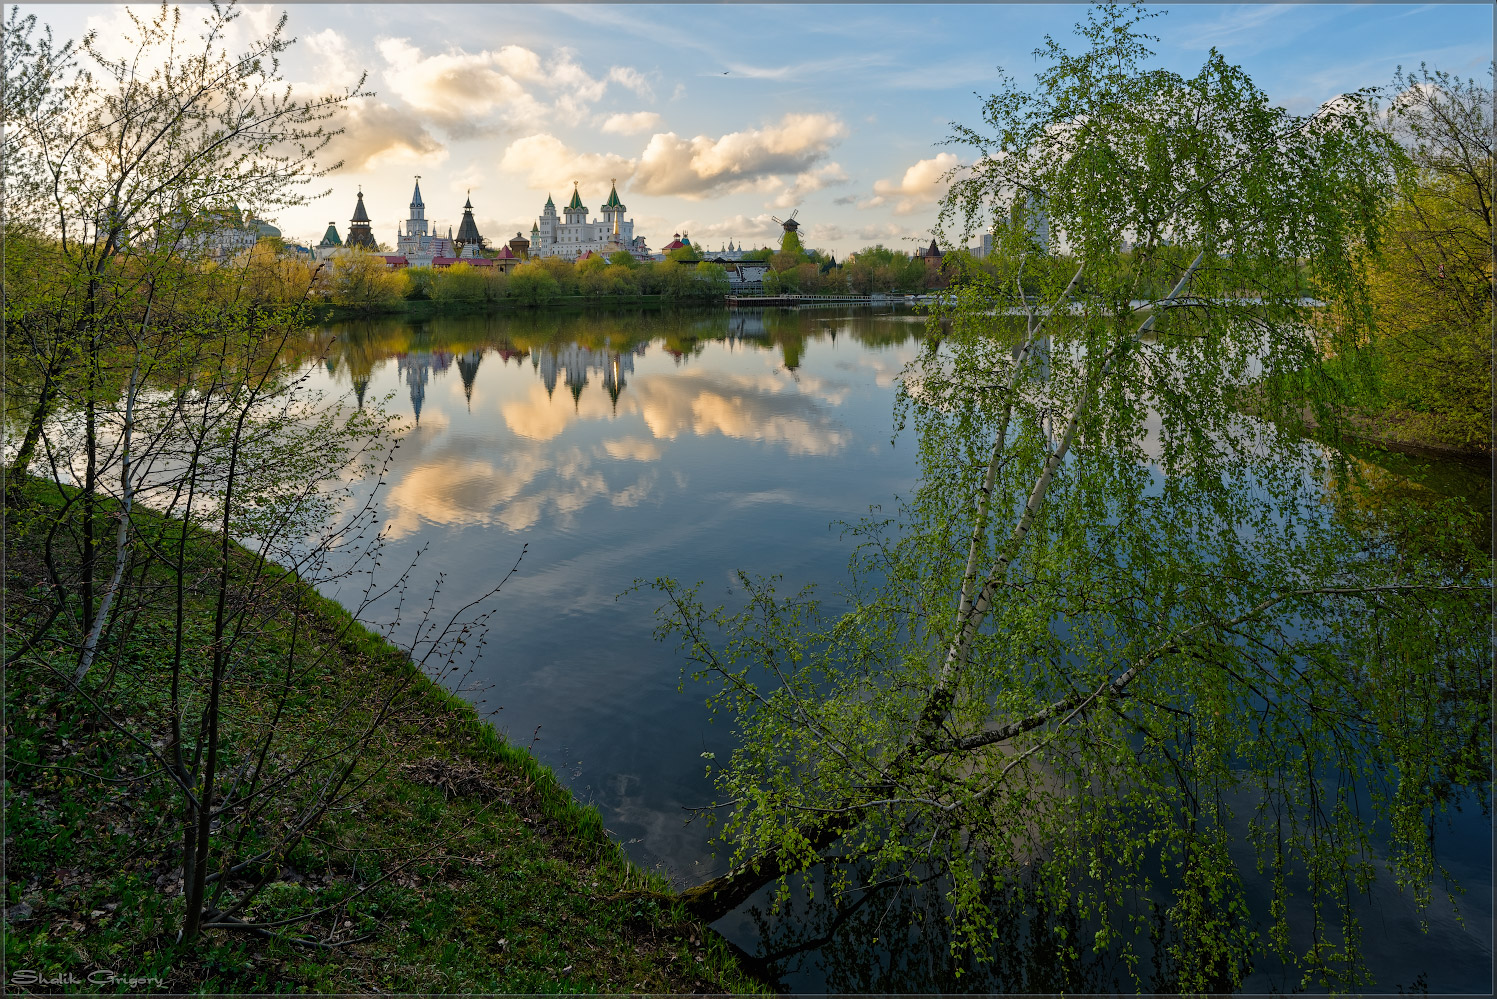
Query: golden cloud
(922,185)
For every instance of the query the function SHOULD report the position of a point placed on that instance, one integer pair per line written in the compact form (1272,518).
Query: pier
(804,301)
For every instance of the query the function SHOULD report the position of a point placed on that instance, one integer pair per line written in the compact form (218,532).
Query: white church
(574,236)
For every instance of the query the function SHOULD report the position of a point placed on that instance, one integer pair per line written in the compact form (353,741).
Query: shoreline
(494,855)
(421,308)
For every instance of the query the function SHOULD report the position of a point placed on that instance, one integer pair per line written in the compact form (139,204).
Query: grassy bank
(459,865)
(1381,422)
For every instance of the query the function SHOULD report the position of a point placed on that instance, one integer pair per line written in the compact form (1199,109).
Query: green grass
(480,872)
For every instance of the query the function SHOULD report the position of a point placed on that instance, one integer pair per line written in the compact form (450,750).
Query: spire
(613,203)
(549,202)
(416,201)
(467,366)
(359,233)
(468,230)
(576,205)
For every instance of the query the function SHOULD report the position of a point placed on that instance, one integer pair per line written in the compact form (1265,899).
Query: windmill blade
(795,213)
(777,219)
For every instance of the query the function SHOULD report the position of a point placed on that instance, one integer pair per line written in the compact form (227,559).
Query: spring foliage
(1117,648)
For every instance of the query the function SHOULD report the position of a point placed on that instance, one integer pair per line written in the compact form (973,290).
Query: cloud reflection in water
(458,478)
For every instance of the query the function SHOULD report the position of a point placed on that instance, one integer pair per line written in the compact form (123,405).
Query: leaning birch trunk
(719,896)
(122,536)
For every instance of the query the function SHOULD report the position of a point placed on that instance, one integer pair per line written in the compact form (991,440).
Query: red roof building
(470,261)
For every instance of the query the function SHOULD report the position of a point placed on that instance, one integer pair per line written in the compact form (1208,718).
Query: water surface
(621,446)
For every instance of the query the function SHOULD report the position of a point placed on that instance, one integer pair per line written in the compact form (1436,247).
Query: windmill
(790,242)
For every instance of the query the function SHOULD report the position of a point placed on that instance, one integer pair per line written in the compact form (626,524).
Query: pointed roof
(613,201)
(535,227)
(416,201)
(467,366)
(331,237)
(468,230)
(359,215)
(549,202)
(576,205)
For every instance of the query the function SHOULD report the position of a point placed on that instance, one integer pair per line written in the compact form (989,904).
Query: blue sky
(714,118)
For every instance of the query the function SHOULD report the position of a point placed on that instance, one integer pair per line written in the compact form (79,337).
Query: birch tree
(1117,635)
(176,416)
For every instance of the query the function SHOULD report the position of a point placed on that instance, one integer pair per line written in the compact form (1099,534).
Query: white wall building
(415,242)
(571,235)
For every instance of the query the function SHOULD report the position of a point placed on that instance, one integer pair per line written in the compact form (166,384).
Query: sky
(714,119)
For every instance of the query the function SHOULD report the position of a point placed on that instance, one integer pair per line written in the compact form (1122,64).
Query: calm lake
(621,446)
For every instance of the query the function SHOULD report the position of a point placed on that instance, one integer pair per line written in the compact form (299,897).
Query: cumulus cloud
(544,160)
(827,175)
(376,134)
(332,59)
(630,124)
(741,406)
(458,89)
(632,449)
(922,185)
(702,166)
(631,79)
(475,92)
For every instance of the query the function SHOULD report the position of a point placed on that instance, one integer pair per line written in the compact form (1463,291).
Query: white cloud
(1237,28)
(702,166)
(545,161)
(457,88)
(827,175)
(922,185)
(376,135)
(631,79)
(696,168)
(473,92)
(519,62)
(739,228)
(332,59)
(630,124)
